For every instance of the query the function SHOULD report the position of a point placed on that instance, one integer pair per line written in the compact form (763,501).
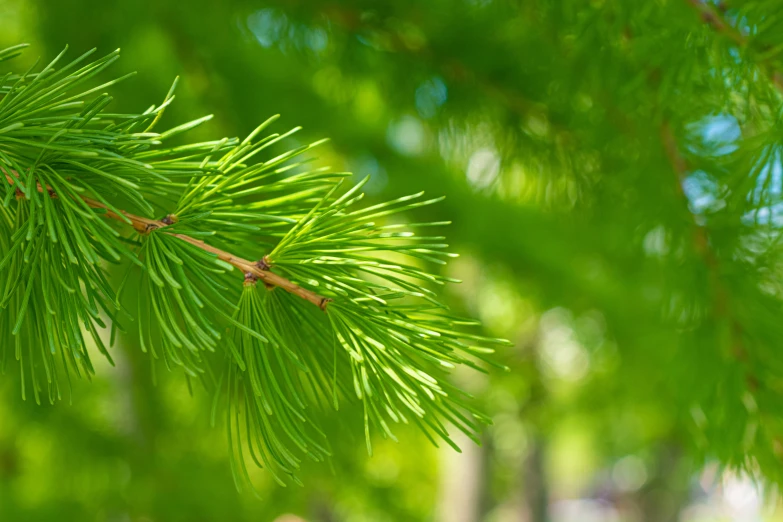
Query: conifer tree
(633,174)
(260,276)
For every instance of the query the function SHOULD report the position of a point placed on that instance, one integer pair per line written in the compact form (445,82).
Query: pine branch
(67,163)
(258,269)
(709,15)
(717,21)
(721,302)
(354,23)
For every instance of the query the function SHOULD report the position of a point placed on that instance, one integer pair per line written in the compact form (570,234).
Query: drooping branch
(709,15)
(258,269)
(714,17)
(722,300)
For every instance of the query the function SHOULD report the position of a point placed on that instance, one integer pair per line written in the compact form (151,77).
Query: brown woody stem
(259,270)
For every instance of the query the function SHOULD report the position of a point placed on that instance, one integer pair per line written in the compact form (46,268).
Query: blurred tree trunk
(667,491)
(462,481)
(533,473)
(535,488)
(321,508)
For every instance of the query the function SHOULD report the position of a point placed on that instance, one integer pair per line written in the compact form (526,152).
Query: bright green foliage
(274,361)
(271,383)
(392,327)
(616,160)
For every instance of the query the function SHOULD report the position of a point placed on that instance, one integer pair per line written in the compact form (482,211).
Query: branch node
(170,219)
(709,17)
(250,279)
(264,264)
(324,303)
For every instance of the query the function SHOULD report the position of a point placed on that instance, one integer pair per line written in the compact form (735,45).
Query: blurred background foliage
(612,169)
